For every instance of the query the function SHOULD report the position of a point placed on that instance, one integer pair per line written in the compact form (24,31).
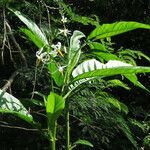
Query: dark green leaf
(10,104)
(84,142)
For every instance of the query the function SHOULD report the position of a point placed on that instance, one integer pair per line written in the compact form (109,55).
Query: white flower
(64,19)
(61,68)
(56,48)
(64,31)
(42,56)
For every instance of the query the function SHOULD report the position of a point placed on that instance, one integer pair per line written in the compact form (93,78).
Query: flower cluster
(45,56)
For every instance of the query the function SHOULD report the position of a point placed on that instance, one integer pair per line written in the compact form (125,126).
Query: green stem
(54,138)
(52,135)
(67,126)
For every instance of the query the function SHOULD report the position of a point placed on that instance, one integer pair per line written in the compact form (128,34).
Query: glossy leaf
(75,43)
(74,51)
(35,39)
(93,64)
(93,69)
(10,104)
(33,27)
(109,30)
(55,105)
(113,71)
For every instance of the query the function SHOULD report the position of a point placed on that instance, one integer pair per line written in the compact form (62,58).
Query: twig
(4,36)
(10,81)
(20,128)
(16,44)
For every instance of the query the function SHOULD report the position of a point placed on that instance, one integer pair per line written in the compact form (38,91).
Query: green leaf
(84,142)
(33,27)
(93,69)
(10,104)
(108,30)
(74,51)
(97,46)
(113,71)
(133,78)
(116,83)
(106,56)
(35,38)
(120,106)
(75,43)
(55,73)
(55,105)
(32,102)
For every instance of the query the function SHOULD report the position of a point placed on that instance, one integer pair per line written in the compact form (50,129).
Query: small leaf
(108,30)
(84,142)
(10,104)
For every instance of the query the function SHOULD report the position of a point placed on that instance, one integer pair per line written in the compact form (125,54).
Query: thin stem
(52,134)
(67,126)
(54,138)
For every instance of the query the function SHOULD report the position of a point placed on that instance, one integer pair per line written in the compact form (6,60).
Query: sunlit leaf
(55,105)
(35,38)
(108,30)
(36,32)
(93,69)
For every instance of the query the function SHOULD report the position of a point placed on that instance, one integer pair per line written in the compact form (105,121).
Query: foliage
(78,83)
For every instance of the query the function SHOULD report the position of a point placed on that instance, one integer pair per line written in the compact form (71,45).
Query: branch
(10,81)
(20,128)
(16,44)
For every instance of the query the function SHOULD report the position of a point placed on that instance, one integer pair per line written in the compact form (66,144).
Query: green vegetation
(73,77)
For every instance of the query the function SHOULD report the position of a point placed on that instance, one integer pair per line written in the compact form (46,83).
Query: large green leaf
(74,50)
(55,73)
(93,69)
(108,30)
(75,43)
(113,71)
(33,27)
(55,105)
(10,104)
